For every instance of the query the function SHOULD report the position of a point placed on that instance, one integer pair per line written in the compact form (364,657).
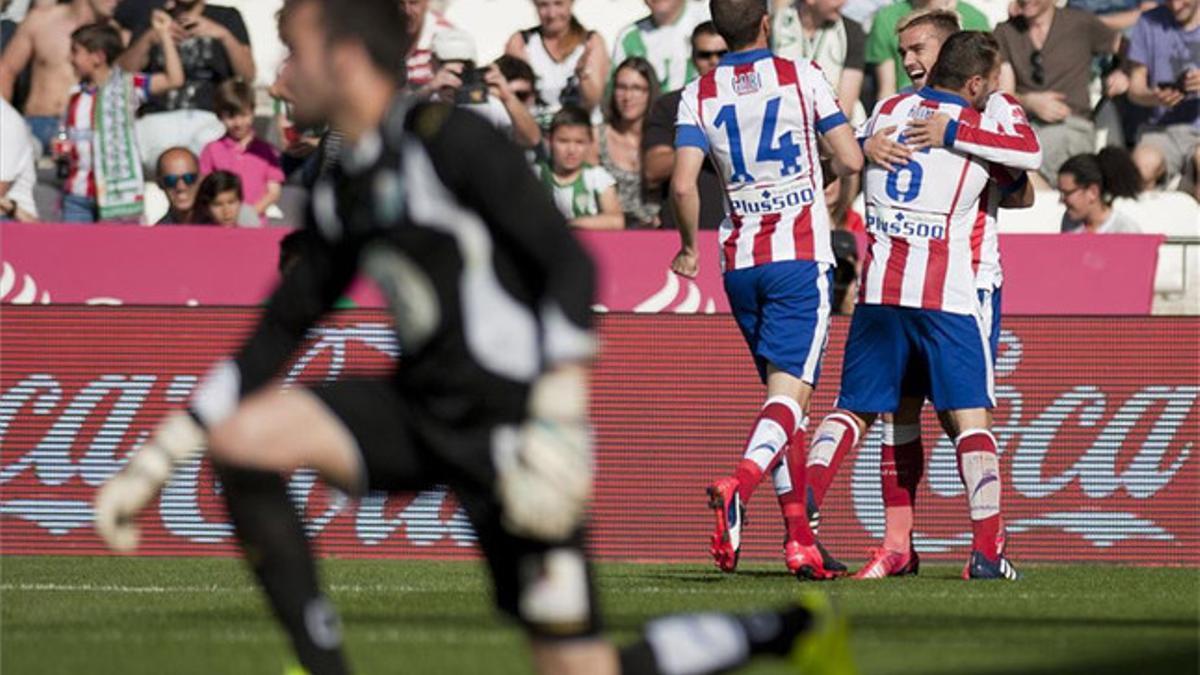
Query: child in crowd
(586,194)
(220,201)
(240,152)
(104,178)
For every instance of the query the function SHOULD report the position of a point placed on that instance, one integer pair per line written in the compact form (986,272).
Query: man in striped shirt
(759,117)
(919,310)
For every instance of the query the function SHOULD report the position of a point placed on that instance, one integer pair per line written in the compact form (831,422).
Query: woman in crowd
(1087,186)
(570,61)
(220,202)
(635,87)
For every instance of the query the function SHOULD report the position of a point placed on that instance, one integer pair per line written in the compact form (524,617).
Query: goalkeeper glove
(545,482)
(176,439)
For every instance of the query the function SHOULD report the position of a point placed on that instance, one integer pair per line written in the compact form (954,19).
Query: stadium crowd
(110,105)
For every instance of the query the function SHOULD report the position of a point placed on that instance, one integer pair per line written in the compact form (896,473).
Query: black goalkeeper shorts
(548,587)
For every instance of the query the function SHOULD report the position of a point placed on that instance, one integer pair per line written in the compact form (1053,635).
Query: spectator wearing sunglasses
(658,139)
(179,178)
(1048,55)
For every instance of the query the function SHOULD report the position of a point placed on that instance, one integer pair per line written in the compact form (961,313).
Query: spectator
(1047,56)
(570,61)
(312,149)
(841,208)
(883,45)
(17,172)
(102,182)
(620,140)
(483,91)
(585,194)
(423,26)
(1087,185)
(658,140)
(240,152)
(664,39)
(1165,56)
(815,30)
(43,39)
(1116,14)
(219,201)
(522,81)
(178,172)
(846,272)
(214,47)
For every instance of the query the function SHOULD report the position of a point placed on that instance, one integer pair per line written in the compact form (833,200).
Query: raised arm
(17,54)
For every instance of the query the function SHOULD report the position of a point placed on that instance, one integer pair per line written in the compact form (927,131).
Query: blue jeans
(76,209)
(44,129)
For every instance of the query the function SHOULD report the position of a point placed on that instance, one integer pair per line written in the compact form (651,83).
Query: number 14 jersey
(758,115)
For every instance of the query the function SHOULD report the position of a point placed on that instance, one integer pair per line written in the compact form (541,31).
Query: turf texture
(122,616)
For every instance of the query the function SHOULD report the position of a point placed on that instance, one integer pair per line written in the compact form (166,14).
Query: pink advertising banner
(204,266)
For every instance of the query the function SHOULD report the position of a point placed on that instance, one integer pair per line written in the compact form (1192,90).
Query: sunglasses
(1039,70)
(704,55)
(169,181)
(524,96)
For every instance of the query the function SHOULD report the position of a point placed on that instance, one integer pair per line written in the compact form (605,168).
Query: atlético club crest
(746,83)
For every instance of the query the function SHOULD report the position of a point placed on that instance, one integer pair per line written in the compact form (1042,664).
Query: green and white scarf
(115,157)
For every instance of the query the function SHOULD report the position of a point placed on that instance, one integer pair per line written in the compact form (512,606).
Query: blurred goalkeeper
(490,297)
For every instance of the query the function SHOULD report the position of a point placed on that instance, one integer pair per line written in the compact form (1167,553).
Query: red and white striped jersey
(758,116)
(928,220)
(1013,150)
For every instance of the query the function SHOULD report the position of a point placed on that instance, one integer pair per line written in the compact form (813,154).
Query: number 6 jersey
(926,220)
(758,116)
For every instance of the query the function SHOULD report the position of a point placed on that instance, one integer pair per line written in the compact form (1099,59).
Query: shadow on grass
(1178,662)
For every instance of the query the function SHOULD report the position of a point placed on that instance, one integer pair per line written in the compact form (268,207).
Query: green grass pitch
(99,616)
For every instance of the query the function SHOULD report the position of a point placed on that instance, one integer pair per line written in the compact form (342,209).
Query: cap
(453,45)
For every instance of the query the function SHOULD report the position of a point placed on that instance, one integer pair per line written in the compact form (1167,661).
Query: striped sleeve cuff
(826,124)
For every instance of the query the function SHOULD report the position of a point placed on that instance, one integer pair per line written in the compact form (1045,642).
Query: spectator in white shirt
(17,172)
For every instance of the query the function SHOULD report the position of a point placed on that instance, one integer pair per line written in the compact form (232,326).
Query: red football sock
(835,437)
(767,438)
(979,468)
(795,515)
(900,470)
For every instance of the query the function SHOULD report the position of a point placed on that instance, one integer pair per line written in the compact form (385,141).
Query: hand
(686,263)
(882,150)
(1048,106)
(1168,97)
(203,26)
(497,84)
(177,438)
(445,78)
(161,23)
(1116,83)
(1191,81)
(927,133)
(545,480)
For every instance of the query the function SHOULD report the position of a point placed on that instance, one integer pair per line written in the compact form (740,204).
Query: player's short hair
(705,28)
(234,96)
(571,116)
(944,21)
(379,25)
(516,68)
(100,37)
(964,55)
(738,21)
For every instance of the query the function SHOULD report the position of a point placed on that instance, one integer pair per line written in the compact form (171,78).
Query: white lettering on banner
(1028,445)
(421,519)
(666,296)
